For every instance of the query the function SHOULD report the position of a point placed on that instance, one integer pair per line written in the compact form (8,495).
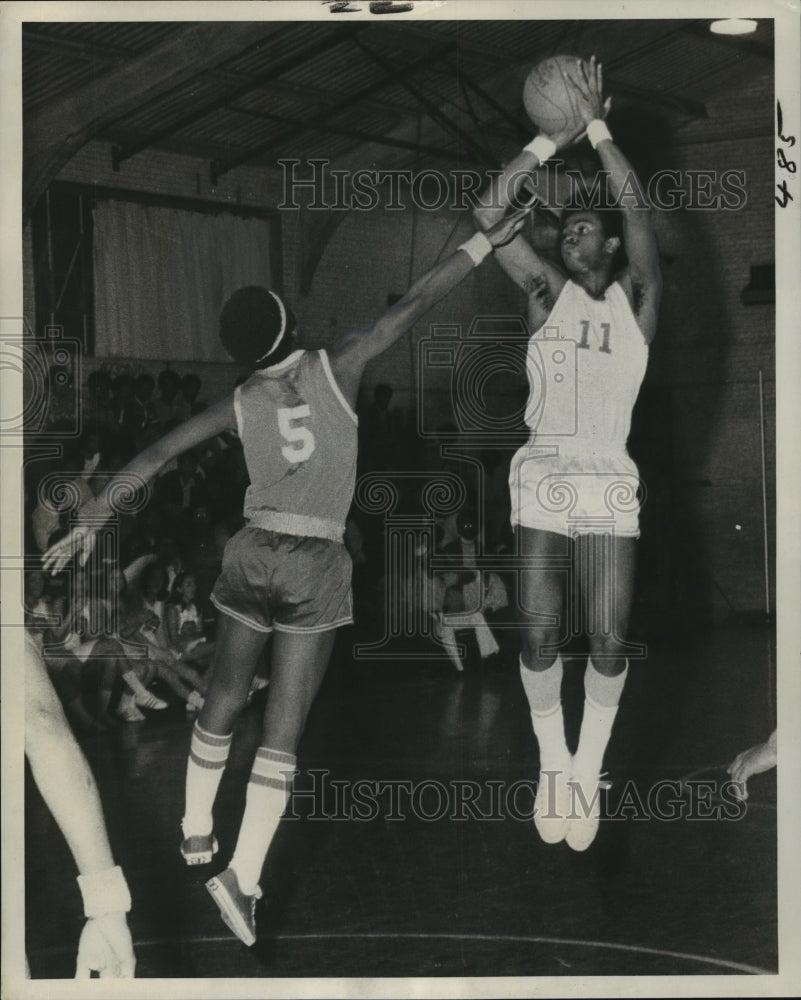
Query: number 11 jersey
(584,404)
(299,435)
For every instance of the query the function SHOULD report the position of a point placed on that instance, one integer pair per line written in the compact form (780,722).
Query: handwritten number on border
(781,158)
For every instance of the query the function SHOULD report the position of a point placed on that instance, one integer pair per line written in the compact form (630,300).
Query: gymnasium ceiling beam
(329,98)
(106,55)
(222,167)
(349,133)
(324,44)
(55,133)
(441,118)
(404,36)
(519,127)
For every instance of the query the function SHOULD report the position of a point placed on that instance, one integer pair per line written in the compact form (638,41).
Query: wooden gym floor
(447,896)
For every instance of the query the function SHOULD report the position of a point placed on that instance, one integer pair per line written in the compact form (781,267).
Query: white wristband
(104,892)
(542,147)
(597,131)
(477,248)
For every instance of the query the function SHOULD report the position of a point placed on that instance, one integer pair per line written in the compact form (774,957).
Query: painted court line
(517,938)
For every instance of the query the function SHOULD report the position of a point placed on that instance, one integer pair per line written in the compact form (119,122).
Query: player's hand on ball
(106,948)
(588,82)
(81,539)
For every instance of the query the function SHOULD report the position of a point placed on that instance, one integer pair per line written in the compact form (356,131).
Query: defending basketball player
(287,572)
(567,482)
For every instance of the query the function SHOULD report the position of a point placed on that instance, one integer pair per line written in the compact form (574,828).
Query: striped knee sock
(269,788)
(207,758)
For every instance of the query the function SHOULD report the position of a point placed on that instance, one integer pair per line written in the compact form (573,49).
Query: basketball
(546,97)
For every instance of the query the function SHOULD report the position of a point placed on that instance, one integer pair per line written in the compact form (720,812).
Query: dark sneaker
(237,910)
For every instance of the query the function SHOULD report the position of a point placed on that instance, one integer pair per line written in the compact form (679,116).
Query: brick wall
(711,351)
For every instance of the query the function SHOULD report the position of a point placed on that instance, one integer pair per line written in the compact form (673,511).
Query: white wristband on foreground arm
(542,147)
(477,248)
(597,131)
(104,892)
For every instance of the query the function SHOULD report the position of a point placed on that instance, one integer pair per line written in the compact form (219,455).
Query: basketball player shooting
(610,312)
(287,571)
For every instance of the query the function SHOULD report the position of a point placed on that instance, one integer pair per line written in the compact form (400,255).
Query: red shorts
(283,582)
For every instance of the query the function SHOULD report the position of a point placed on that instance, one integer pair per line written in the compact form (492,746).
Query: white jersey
(585,366)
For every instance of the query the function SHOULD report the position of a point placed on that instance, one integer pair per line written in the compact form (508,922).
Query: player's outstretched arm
(537,277)
(147,464)
(642,279)
(352,351)
(68,788)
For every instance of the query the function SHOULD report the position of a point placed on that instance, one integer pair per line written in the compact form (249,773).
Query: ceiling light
(733,26)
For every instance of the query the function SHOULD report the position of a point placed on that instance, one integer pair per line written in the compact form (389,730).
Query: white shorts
(581,492)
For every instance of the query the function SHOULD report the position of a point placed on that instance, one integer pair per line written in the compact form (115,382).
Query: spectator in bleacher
(144,386)
(170,403)
(184,620)
(190,389)
(96,638)
(181,492)
(129,419)
(71,678)
(182,498)
(97,402)
(145,611)
(468,592)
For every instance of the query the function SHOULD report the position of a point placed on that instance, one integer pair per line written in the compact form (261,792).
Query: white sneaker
(148,700)
(585,812)
(552,804)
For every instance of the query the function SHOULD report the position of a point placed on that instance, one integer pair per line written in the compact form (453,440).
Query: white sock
(268,792)
(135,684)
(204,769)
(601,698)
(544,692)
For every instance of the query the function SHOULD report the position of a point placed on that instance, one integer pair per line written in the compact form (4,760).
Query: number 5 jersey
(299,435)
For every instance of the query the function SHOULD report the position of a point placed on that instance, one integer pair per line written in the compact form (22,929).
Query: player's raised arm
(352,351)
(147,464)
(642,279)
(538,278)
